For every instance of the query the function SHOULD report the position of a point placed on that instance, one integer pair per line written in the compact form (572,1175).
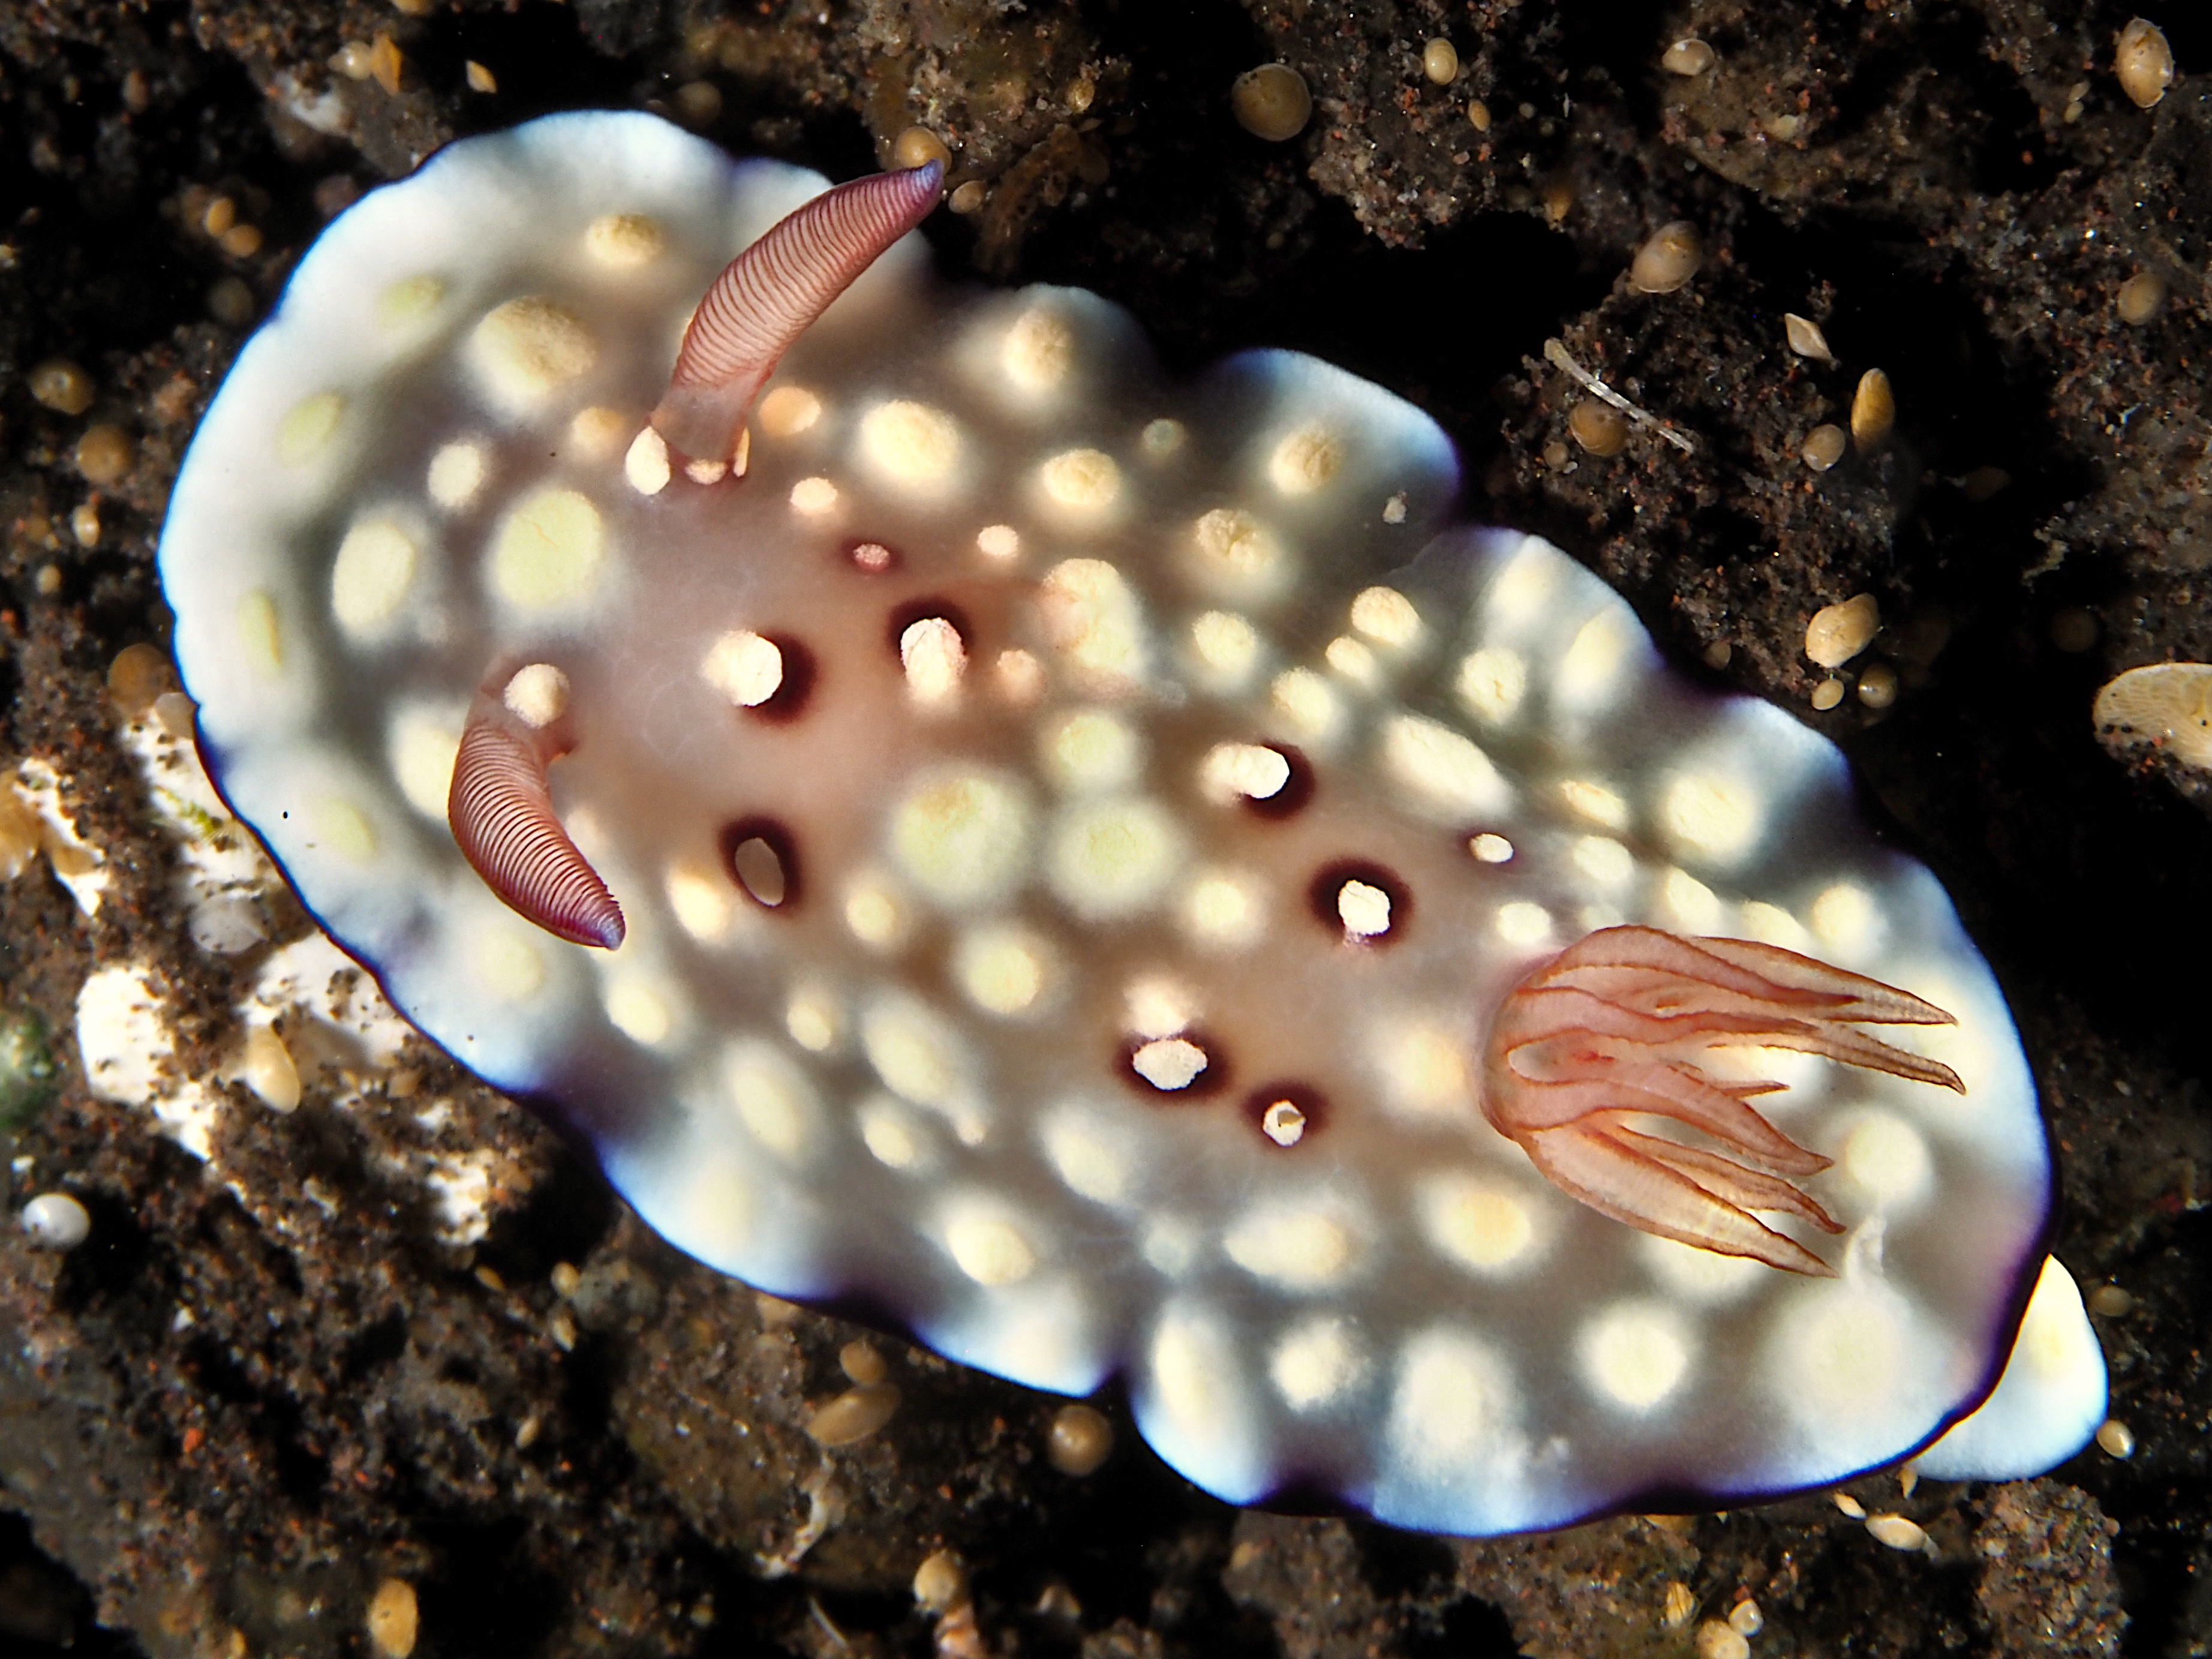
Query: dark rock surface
(273,1382)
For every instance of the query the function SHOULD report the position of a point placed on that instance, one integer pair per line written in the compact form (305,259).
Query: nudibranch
(1103,870)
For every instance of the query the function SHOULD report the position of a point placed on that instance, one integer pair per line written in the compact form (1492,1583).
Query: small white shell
(55,1221)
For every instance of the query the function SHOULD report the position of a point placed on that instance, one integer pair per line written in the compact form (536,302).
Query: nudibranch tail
(500,808)
(1616,1024)
(769,294)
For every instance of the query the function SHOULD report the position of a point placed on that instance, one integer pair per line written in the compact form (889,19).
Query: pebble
(1272,102)
(2140,298)
(1806,339)
(230,303)
(1599,427)
(105,454)
(394,1621)
(55,1221)
(227,925)
(854,1415)
(60,384)
(918,147)
(862,1362)
(2143,61)
(1669,258)
(698,103)
(1080,1441)
(2111,1302)
(176,712)
(1899,1533)
(1824,447)
(387,63)
(269,1072)
(1056,1601)
(138,675)
(1839,632)
(940,1582)
(1873,410)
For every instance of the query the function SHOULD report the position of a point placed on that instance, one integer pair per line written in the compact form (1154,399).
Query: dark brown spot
(1161,1069)
(789,701)
(1297,788)
(760,856)
(1361,902)
(1287,1113)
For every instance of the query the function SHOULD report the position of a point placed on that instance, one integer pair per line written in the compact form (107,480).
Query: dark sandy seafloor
(273,1381)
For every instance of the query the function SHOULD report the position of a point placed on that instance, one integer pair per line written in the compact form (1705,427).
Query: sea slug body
(1106,868)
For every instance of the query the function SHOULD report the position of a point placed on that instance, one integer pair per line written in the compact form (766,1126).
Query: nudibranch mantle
(1074,832)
